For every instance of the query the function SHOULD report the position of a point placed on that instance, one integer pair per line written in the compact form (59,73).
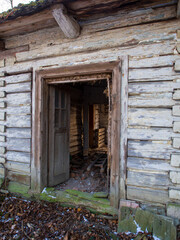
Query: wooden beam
(2,45)
(178,9)
(67,23)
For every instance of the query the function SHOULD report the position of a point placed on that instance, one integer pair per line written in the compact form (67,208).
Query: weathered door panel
(59,111)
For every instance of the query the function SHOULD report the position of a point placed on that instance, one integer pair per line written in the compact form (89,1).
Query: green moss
(127,225)
(100,195)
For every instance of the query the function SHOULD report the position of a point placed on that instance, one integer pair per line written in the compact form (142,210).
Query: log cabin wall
(148,36)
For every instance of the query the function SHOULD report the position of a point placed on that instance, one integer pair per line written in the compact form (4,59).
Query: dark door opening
(78,136)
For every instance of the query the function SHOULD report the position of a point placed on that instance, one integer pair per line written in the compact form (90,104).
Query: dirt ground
(37,220)
(83,180)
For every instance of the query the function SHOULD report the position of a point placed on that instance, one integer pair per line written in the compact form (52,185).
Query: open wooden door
(59,121)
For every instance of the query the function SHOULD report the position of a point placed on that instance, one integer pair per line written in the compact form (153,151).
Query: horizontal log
(151,133)
(151,62)
(147,194)
(19,167)
(151,149)
(22,121)
(150,117)
(15,88)
(21,157)
(17,144)
(17,133)
(153,74)
(151,100)
(18,177)
(11,52)
(144,179)
(147,165)
(95,57)
(16,110)
(26,77)
(16,99)
(133,35)
(158,87)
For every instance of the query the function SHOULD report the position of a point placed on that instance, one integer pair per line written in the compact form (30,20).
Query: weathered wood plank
(11,52)
(26,77)
(176,95)
(178,9)
(148,165)
(145,179)
(150,149)
(19,167)
(176,143)
(151,100)
(19,177)
(16,99)
(124,126)
(151,133)
(161,87)
(176,110)
(153,74)
(132,35)
(175,160)
(16,110)
(18,121)
(150,117)
(175,177)
(17,133)
(177,65)
(95,57)
(147,194)
(160,61)
(17,144)
(174,194)
(15,88)
(21,157)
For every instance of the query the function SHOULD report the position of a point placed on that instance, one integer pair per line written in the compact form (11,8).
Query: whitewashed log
(176,143)
(150,149)
(2,63)
(176,95)
(9,61)
(21,157)
(175,177)
(178,47)
(2,150)
(99,40)
(161,87)
(16,99)
(2,138)
(2,104)
(94,57)
(18,121)
(147,165)
(150,117)
(16,110)
(2,128)
(17,133)
(2,83)
(15,88)
(2,116)
(151,133)
(160,61)
(176,110)
(2,94)
(17,144)
(146,102)
(177,65)
(147,194)
(175,160)
(174,194)
(146,179)
(20,167)
(26,77)
(2,160)
(153,74)
(67,23)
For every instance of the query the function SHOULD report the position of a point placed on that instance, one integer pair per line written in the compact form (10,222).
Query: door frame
(39,160)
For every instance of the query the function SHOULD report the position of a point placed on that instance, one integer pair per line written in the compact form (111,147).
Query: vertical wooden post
(115,136)
(86,129)
(178,9)
(124,126)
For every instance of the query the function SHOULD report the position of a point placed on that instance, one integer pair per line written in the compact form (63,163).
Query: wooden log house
(61,60)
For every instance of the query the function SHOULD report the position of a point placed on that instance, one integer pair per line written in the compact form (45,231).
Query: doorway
(79,119)
(40,132)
